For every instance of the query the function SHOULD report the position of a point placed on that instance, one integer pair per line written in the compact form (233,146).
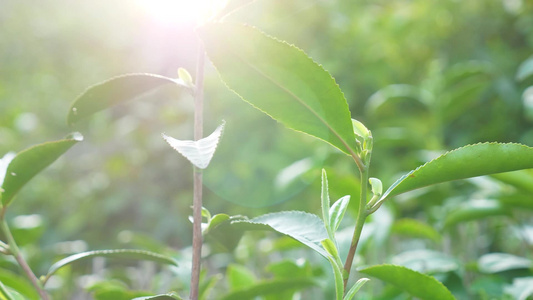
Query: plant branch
(197,201)
(20,260)
(361,217)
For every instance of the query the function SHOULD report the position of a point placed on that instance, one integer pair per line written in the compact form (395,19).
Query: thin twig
(197,202)
(20,260)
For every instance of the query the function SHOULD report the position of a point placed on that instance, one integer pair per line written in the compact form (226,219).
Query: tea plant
(283,82)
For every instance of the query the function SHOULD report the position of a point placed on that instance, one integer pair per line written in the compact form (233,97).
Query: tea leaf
(170,296)
(475,209)
(200,152)
(28,163)
(469,161)
(282,81)
(114,91)
(499,262)
(118,253)
(336,212)
(270,287)
(521,289)
(416,229)
(301,226)
(415,283)
(355,288)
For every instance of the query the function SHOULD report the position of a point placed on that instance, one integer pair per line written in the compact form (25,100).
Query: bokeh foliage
(424,76)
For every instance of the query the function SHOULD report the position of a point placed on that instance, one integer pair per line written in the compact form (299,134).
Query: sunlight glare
(180,11)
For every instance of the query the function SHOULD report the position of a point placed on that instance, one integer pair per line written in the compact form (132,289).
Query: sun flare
(180,11)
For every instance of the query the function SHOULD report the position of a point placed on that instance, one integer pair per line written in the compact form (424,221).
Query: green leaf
(355,288)
(415,283)
(199,152)
(499,262)
(18,283)
(416,229)
(118,253)
(426,261)
(324,200)
(301,226)
(239,277)
(469,161)
(339,281)
(336,212)
(521,289)
(169,296)
(269,287)
(475,209)
(215,221)
(114,91)
(360,129)
(28,163)
(282,81)
(377,186)
(185,77)
(525,69)
(521,179)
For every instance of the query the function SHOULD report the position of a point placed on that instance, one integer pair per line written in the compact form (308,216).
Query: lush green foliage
(424,76)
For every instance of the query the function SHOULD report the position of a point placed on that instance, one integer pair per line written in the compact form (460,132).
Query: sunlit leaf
(337,275)
(301,226)
(469,161)
(525,69)
(282,81)
(269,287)
(417,284)
(499,262)
(199,152)
(118,253)
(28,163)
(231,6)
(324,201)
(114,91)
(521,179)
(475,209)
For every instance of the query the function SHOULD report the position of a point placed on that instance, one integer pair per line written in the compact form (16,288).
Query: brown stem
(197,201)
(23,264)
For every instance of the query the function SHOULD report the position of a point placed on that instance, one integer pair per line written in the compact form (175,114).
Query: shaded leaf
(114,91)
(521,179)
(475,209)
(118,253)
(499,262)
(282,81)
(301,226)
(415,228)
(525,69)
(28,163)
(215,221)
(469,161)
(415,283)
(270,287)
(337,210)
(18,283)
(199,152)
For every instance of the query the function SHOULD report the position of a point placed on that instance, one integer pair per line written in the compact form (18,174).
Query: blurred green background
(424,76)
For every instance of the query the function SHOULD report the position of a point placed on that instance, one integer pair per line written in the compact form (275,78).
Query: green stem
(20,260)
(361,217)
(197,201)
